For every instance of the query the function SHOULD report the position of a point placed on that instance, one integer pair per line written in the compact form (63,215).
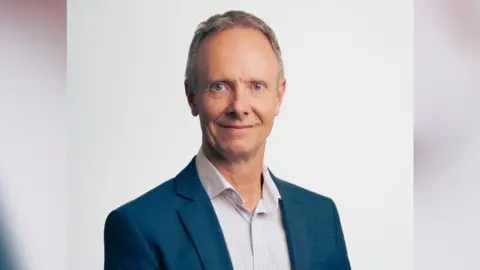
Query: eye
(257,86)
(216,87)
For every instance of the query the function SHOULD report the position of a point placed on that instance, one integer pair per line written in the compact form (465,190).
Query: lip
(236,126)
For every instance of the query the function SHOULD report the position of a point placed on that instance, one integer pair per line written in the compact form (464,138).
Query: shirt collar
(215,184)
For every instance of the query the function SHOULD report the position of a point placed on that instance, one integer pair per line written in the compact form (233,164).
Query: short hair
(228,20)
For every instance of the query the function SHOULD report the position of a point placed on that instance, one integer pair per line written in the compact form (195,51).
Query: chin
(237,149)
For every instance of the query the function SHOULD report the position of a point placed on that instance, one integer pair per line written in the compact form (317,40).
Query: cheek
(266,111)
(210,110)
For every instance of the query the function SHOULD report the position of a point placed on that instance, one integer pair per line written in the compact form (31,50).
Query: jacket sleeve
(344,261)
(125,248)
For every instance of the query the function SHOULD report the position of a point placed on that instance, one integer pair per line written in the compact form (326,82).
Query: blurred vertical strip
(447,134)
(33,134)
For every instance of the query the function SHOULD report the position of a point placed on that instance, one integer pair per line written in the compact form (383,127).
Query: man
(226,210)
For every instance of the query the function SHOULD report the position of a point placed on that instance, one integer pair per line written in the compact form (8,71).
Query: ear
(280,94)
(189,92)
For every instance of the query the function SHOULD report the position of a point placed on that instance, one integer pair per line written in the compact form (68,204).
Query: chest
(254,240)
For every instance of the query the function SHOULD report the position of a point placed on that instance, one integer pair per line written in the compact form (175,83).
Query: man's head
(235,82)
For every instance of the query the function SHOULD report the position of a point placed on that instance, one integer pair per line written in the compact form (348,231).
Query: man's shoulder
(157,202)
(160,194)
(158,205)
(303,196)
(318,209)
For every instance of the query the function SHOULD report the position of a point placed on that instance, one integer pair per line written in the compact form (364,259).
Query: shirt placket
(258,242)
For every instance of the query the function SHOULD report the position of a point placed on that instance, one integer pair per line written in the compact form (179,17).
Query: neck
(244,174)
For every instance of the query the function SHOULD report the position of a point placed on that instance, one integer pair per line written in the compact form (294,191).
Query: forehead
(237,53)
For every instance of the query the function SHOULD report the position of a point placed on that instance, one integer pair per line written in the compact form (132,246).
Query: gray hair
(228,20)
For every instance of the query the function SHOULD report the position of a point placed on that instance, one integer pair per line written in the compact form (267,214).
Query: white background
(345,130)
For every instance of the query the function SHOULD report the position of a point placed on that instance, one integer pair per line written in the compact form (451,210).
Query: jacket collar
(202,225)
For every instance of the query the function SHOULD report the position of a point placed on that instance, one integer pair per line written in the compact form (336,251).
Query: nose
(239,103)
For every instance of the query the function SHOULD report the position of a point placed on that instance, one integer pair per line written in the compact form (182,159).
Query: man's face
(238,92)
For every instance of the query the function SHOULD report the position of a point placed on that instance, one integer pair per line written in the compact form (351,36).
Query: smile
(235,126)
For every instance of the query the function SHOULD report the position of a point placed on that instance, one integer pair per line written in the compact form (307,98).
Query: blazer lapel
(295,229)
(200,221)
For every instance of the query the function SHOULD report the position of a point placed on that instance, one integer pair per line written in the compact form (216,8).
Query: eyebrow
(231,83)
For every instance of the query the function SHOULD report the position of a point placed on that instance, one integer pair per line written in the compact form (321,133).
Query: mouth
(235,126)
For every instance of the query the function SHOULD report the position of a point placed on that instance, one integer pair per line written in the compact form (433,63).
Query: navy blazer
(174,226)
